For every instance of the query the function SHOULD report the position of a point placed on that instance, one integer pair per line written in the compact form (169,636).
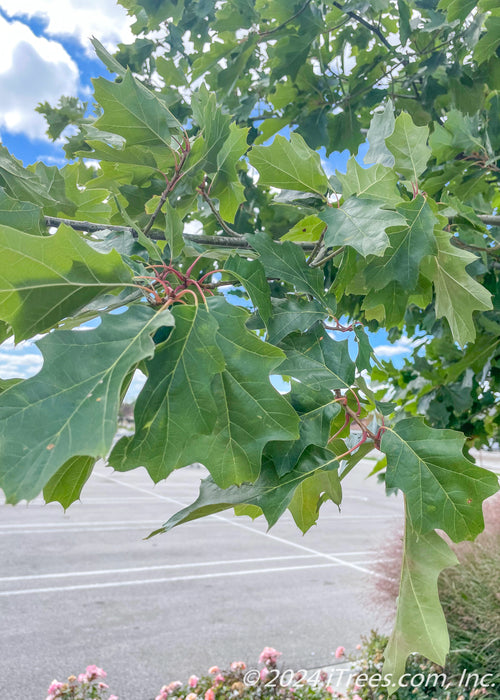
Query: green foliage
(420,616)
(402,245)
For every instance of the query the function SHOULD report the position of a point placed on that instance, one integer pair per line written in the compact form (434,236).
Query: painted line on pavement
(159,567)
(253,530)
(171,579)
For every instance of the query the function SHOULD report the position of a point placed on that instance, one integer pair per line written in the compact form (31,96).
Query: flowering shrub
(85,686)
(240,682)
(253,684)
(423,680)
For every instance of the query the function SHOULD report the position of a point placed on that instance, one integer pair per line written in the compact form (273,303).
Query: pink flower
(93,672)
(219,678)
(269,656)
(113,697)
(323,676)
(210,695)
(193,681)
(103,686)
(339,652)
(238,665)
(171,687)
(82,678)
(54,687)
(329,689)
(213,669)
(191,696)
(356,697)
(264,674)
(161,696)
(358,646)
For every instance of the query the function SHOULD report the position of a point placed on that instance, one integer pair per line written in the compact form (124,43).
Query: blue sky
(46,53)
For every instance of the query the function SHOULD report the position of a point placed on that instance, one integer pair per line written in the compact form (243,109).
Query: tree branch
(494,250)
(217,241)
(368,25)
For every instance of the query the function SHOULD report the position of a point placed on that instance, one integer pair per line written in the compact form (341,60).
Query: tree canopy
(201,234)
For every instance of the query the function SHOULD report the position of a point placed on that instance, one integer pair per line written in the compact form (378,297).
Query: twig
(217,241)
(185,149)
(370,27)
(494,250)
(318,247)
(321,261)
(201,189)
(354,415)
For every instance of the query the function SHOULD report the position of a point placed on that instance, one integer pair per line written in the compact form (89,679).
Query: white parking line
(171,579)
(159,567)
(253,530)
(109,526)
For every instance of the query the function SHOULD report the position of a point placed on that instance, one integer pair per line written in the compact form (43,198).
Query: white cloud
(32,69)
(400,347)
(104,19)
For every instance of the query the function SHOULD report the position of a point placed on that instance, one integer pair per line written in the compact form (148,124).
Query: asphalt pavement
(84,587)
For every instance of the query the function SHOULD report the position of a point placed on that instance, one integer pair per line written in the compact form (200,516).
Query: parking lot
(84,587)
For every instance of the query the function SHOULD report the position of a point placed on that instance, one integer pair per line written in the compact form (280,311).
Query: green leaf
(52,180)
(378,182)
(174,229)
(365,350)
(43,279)
(408,145)
(23,216)
(176,405)
(389,303)
(109,61)
(90,202)
(292,314)
(404,21)
(458,295)
(289,165)
(420,623)
(381,126)
(226,186)
(26,185)
(252,276)
(487,45)
(316,410)
(310,495)
(221,416)
(441,143)
(78,387)
(443,489)
(309,228)
(250,411)
(172,75)
(7,383)
(456,9)
(269,493)
(147,243)
(215,129)
(408,245)
(318,360)
(286,262)
(361,224)
(67,483)
(134,112)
